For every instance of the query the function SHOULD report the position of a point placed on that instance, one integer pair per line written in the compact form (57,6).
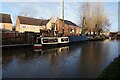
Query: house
(29,24)
(51,24)
(70,28)
(5,22)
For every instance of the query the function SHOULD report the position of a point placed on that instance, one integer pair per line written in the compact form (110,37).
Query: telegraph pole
(63,15)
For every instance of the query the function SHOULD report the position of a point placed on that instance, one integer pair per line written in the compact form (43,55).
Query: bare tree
(100,17)
(93,18)
(84,14)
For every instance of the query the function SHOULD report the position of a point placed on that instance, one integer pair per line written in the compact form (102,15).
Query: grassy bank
(97,38)
(112,71)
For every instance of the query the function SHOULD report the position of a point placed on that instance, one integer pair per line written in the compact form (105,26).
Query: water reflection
(93,57)
(86,59)
(29,53)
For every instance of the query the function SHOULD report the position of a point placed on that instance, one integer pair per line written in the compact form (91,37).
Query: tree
(84,16)
(93,18)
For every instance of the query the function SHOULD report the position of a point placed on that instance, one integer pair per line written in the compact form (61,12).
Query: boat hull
(37,46)
(77,38)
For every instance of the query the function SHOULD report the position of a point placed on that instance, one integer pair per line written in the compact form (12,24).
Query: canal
(78,60)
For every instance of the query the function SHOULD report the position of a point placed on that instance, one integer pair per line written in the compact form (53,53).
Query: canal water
(77,60)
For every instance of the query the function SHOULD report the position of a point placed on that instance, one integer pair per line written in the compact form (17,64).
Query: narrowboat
(37,44)
(62,40)
(43,41)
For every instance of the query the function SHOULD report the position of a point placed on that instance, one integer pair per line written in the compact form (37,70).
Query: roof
(68,22)
(32,21)
(5,18)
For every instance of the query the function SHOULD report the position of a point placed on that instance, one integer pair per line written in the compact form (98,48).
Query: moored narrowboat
(37,44)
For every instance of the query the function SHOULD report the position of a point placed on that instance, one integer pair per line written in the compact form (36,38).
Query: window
(64,39)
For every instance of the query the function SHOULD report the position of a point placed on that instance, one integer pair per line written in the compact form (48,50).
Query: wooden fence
(17,38)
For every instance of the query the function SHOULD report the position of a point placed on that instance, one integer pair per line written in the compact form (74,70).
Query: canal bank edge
(112,70)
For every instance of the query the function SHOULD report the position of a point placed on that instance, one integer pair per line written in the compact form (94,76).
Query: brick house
(30,24)
(70,28)
(5,22)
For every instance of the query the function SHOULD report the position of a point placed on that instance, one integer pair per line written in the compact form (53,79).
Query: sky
(53,8)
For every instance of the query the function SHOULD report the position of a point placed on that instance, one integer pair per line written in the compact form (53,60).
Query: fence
(17,38)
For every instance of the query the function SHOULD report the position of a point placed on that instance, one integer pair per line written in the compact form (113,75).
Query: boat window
(45,40)
(49,40)
(64,39)
(55,40)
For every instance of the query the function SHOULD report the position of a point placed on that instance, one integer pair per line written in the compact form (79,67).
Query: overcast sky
(53,8)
